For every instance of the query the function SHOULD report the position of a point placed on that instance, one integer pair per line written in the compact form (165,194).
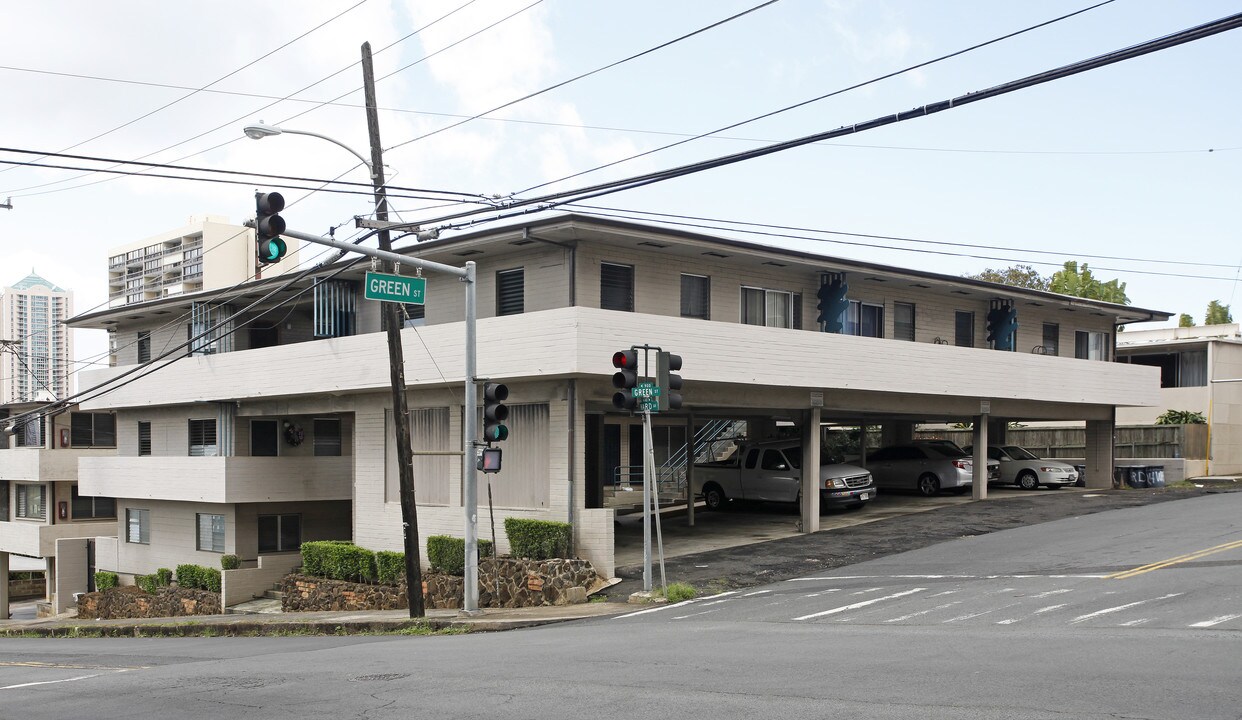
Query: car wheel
(928,484)
(713,497)
(1028,481)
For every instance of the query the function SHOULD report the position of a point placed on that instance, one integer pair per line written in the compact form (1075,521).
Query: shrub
(105,580)
(447,554)
(678,591)
(149,583)
(538,539)
(389,566)
(315,554)
(1181,417)
(229,562)
(339,560)
(165,576)
(198,577)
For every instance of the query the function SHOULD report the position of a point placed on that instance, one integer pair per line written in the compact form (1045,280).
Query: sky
(1138,162)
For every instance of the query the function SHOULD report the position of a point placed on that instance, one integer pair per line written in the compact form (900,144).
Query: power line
(589,73)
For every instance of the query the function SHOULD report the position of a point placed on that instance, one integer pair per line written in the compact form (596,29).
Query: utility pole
(396,359)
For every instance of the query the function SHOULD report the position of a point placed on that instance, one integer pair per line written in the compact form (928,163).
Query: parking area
(750,524)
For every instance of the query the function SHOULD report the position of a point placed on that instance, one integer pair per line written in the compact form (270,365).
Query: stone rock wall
(503,583)
(134,602)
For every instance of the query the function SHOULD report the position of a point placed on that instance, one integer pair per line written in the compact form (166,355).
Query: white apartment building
(206,254)
(281,432)
(35,344)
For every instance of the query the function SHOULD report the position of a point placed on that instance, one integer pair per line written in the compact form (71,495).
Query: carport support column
(4,586)
(979,488)
(690,455)
(1100,453)
(810,470)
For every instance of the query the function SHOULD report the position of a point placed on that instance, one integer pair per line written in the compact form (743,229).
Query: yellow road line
(1124,574)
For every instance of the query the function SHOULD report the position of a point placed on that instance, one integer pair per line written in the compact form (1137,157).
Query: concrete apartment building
(281,432)
(35,345)
(1200,371)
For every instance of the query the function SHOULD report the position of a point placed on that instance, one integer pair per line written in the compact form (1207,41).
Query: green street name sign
(646,390)
(652,406)
(395,288)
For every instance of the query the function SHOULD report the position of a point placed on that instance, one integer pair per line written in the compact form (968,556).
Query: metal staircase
(714,441)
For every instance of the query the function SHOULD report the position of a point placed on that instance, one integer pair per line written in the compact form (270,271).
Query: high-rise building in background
(36,345)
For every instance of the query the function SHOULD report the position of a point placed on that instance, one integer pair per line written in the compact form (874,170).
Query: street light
(260,131)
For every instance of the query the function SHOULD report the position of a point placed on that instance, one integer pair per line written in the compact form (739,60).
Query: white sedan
(1021,467)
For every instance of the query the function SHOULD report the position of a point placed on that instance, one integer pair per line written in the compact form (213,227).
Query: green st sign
(646,390)
(395,288)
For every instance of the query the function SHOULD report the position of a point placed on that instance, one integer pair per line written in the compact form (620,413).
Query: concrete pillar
(979,489)
(690,470)
(810,470)
(862,445)
(4,586)
(1100,460)
(49,590)
(897,432)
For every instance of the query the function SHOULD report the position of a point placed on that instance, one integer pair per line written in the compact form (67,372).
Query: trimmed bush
(165,576)
(447,554)
(338,560)
(538,539)
(229,562)
(105,580)
(389,566)
(314,556)
(156,580)
(198,577)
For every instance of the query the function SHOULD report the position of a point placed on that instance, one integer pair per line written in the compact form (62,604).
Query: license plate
(864,496)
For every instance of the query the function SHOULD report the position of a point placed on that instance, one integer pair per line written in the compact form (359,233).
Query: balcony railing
(218,479)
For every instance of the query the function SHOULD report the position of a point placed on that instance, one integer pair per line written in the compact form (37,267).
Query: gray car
(926,467)
(1021,467)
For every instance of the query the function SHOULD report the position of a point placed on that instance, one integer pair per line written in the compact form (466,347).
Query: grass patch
(679,591)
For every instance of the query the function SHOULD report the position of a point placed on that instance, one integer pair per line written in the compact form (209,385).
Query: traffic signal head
(666,363)
(495,412)
(488,460)
(268,226)
(625,379)
(832,304)
(1002,325)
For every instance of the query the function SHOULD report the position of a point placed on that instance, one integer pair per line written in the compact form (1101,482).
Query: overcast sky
(1139,161)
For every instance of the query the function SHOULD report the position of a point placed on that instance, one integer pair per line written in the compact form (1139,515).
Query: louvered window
(903,321)
(510,292)
(92,429)
(144,346)
(696,291)
(138,526)
(616,287)
(32,502)
(964,329)
(334,309)
(203,438)
(210,532)
(144,438)
(327,437)
(4,500)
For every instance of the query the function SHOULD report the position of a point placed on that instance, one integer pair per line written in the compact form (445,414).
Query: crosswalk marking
(1050,592)
(1132,623)
(924,612)
(1050,608)
(1215,621)
(863,603)
(1119,608)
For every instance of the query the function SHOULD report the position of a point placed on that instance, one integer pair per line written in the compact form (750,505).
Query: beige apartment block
(35,344)
(282,431)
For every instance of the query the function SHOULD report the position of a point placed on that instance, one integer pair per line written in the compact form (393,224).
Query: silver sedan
(1021,467)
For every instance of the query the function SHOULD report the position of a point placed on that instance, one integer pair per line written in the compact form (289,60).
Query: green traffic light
(496,433)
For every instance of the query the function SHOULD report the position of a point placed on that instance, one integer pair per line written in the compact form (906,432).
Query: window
(210,532)
(411,315)
(138,526)
(752,458)
(1180,369)
(774,460)
(1090,345)
(696,299)
(773,308)
(964,329)
(903,321)
(280,533)
(144,439)
(510,292)
(4,500)
(264,438)
(616,287)
(92,429)
(29,433)
(261,337)
(1052,339)
(864,319)
(203,438)
(86,507)
(144,346)
(327,437)
(32,502)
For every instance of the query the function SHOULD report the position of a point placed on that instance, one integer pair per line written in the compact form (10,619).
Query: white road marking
(946,592)
(824,592)
(1050,608)
(967,617)
(864,603)
(718,595)
(683,617)
(717,602)
(1050,592)
(1216,621)
(867,590)
(832,578)
(757,592)
(1119,608)
(51,682)
(1132,623)
(924,612)
(654,609)
(1010,621)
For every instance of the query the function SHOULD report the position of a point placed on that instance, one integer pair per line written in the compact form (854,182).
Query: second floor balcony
(218,479)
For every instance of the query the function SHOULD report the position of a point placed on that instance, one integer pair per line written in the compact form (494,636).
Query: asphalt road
(1077,618)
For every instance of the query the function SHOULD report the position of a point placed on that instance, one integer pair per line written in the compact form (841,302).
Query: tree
(1081,283)
(1185,320)
(1217,314)
(1023,276)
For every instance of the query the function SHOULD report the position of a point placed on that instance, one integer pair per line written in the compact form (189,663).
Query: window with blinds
(511,292)
(1052,339)
(4,500)
(616,287)
(334,309)
(210,532)
(773,308)
(86,507)
(144,346)
(138,526)
(144,439)
(903,321)
(327,437)
(92,429)
(964,329)
(696,296)
(203,438)
(429,430)
(32,502)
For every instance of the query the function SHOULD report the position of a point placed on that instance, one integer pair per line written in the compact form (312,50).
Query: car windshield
(1018,453)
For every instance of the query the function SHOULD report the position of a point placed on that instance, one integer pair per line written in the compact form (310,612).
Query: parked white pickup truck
(771,472)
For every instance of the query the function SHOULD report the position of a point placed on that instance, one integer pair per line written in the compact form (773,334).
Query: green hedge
(447,554)
(156,580)
(389,566)
(164,575)
(198,577)
(538,539)
(229,562)
(338,560)
(105,580)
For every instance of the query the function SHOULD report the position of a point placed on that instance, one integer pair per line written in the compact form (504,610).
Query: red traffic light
(626,359)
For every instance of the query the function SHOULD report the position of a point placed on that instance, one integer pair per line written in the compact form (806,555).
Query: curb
(429,626)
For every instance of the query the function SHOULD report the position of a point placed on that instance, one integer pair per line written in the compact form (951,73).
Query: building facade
(35,344)
(282,432)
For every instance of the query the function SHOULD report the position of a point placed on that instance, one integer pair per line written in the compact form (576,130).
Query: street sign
(395,288)
(646,390)
(649,405)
